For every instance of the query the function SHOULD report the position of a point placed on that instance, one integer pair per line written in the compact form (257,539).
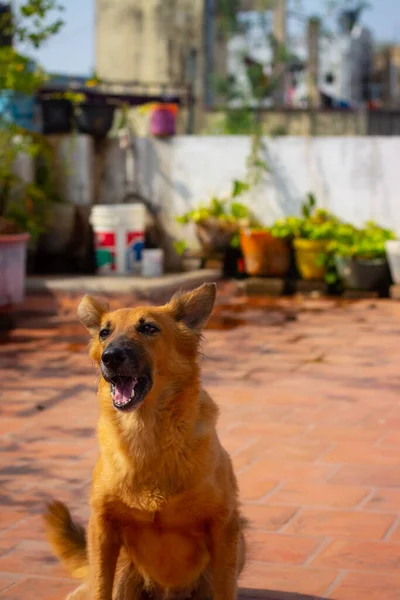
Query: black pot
(95,119)
(57,115)
(363,274)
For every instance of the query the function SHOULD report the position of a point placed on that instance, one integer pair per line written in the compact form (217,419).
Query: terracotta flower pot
(264,254)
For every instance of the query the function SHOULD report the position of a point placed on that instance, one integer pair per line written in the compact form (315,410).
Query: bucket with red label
(119,237)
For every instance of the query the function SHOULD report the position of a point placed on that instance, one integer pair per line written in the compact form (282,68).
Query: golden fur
(165,521)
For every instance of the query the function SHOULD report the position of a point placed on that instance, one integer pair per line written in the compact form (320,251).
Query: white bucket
(393,256)
(152,262)
(119,237)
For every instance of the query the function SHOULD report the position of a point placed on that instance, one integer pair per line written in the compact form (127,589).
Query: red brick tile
(267,517)
(276,470)
(373,476)
(276,422)
(43,589)
(363,454)
(281,549)
(7,580)
(11,425)
(395,535)
(253,486)
(340,524)
(346,433)
(360,586)
(360,555)
(322,495)
(271,429)
(30,528)
(10,516)
(299,580)
(32,558)
(384,500)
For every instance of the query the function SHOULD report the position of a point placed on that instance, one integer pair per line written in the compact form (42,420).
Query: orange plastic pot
(264,254)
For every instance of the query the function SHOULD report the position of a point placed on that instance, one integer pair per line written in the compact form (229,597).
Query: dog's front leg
(224,558)
(103,546)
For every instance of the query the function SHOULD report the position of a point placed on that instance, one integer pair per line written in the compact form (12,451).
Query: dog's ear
(90,312)
(194,308)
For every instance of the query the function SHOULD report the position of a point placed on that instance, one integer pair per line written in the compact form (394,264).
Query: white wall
(356,178)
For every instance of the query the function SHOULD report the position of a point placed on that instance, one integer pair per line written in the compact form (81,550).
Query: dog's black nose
(114,356)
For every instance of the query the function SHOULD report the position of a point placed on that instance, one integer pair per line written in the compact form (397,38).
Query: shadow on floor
(247,594)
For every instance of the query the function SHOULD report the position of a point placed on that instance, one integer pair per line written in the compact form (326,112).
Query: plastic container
(119,237)
(363,274)
(13,250)
(308,253)
(393,256)
(264,254)
(153,262)
(162,121)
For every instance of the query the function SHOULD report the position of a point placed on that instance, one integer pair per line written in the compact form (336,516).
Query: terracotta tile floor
(309,392)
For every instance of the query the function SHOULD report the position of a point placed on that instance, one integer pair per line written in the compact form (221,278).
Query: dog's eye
(104,333)
(148,328)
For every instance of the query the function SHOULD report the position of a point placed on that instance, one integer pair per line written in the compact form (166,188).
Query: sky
(72,50)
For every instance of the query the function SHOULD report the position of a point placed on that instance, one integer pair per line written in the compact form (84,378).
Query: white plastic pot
(153,262)
(13,249)
(393,256)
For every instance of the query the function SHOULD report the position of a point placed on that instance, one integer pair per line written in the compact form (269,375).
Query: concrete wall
(75,163)
(357,178)
(147,41)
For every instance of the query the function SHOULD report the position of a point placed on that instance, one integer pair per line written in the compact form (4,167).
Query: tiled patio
(309,392)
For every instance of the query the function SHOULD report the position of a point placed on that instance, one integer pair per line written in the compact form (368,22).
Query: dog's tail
(67,539)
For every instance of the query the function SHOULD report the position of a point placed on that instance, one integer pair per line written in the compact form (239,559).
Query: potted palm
(360,256)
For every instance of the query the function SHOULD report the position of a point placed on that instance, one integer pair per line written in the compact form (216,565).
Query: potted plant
(218,223)
(360,256)
(264,253)
(23,205)
(94,118)
(23,216)
(163,120)
(56,114)
(310,235)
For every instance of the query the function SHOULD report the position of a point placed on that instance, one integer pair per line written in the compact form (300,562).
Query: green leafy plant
(313,224)
(225,209)
(218,221)
(24,206)
(366,243)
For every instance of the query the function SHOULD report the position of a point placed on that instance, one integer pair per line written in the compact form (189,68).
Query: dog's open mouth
(128,392)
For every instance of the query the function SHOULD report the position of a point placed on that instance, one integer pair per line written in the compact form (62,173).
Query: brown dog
(164,518)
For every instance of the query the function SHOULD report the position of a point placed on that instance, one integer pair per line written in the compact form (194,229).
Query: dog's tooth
(133,394)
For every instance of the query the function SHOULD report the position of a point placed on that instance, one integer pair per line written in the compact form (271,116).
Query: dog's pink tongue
(123,390)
